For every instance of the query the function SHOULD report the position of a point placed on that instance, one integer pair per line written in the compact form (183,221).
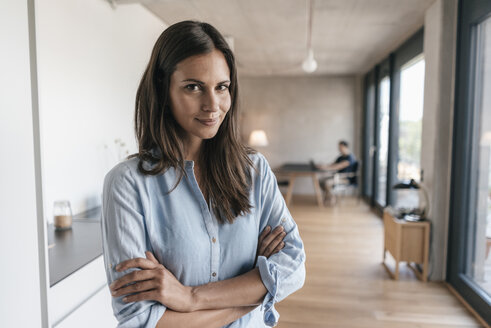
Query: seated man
(345,163)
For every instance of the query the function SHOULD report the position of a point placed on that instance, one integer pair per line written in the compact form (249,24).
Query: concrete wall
(439,49)
(303,117)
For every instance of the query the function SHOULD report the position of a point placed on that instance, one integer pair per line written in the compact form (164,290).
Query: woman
(182,217)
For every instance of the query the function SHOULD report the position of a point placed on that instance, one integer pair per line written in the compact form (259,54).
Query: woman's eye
(192,87)
(222,87)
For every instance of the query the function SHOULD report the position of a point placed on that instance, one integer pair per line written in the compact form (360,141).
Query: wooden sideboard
(407,242)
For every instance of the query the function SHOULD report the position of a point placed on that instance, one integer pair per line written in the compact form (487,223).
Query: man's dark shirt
(349,169)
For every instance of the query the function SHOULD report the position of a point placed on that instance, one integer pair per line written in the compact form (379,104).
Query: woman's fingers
(151,257)
(148,295)
(137,287)
(269,239)
(131,277)
(278,248)
(138,262)
(274,244)
(263,234)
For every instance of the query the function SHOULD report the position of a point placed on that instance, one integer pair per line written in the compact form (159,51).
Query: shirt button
(213,239)
(214,274)
(283,220)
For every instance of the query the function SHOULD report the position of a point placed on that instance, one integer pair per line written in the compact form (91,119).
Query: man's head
(343,147)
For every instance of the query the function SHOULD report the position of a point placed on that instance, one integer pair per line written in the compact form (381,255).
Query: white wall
(20,285)
(90,61)
(436,150)
(303,117)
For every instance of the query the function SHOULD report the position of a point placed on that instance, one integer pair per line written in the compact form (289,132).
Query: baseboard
(466,305)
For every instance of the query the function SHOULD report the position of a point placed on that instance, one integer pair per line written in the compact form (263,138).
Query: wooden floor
(346,285)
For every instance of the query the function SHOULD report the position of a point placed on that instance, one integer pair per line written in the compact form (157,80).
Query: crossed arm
(211,305)
(219,303)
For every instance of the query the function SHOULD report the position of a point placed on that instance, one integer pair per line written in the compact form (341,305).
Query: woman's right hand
(270,242)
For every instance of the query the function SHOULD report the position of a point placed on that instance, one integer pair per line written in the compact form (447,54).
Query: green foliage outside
(409,149)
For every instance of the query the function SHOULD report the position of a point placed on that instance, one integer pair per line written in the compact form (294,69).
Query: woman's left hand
(153,282)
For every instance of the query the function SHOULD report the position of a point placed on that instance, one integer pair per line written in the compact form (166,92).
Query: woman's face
(199,93)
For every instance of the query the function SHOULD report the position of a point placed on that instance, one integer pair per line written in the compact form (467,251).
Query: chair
(344,184)
(283,181)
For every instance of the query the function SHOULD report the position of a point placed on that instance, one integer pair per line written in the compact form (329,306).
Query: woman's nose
(211,101)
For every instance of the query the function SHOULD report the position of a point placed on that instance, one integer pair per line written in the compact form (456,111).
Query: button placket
(211,228)
(215,247)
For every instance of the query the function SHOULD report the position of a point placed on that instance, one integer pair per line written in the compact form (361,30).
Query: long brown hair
(224,160)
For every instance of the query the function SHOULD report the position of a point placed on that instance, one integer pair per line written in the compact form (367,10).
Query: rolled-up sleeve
(284,272)
(124,237)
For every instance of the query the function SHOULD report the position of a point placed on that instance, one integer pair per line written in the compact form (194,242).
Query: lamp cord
(309,27)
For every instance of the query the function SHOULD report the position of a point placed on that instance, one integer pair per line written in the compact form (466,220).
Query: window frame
(407,52)
(391,67)
(370,95)
(464,157)
(384,69)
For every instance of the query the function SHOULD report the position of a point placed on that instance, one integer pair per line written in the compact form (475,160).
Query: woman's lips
(208,122)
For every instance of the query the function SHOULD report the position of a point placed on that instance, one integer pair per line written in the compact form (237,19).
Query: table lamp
(258,138)
(420,213)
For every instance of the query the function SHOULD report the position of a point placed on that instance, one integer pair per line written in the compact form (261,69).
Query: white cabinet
(96,312)
(82,299)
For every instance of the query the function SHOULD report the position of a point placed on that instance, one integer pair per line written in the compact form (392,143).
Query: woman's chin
(206,135)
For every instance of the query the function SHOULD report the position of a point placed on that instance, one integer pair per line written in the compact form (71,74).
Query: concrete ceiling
(270,36)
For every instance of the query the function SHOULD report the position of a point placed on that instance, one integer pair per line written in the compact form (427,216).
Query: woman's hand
(153,282)
(270,242)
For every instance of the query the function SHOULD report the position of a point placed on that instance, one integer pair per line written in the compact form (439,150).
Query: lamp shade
(309,65)
(258,138)
(486,139)
(407,185)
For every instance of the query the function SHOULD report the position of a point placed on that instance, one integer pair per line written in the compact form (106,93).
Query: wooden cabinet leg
(318,191)
(426,253)
(396,274)
(289,193)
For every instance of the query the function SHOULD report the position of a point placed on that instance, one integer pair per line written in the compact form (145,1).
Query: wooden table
(294,170)
(408,242)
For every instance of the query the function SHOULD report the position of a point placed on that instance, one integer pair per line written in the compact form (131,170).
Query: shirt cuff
(147,318)
(269,276)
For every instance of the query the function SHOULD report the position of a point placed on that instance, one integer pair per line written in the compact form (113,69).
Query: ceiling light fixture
(309,65)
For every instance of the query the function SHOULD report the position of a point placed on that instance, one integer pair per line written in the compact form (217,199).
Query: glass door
(469,261)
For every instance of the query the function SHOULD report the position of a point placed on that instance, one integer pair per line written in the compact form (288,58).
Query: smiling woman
(195,230)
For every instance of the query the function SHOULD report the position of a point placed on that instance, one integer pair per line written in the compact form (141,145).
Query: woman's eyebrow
(203,83)
(193,80)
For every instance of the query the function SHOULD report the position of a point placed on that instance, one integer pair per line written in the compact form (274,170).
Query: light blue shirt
(187,239)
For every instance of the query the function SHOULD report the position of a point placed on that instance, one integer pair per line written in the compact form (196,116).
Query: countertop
(72,249)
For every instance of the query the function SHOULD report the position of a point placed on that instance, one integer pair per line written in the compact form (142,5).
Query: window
(478,266)
(383,146)
(469,263)
(411,119)
(393,117)
(369,139)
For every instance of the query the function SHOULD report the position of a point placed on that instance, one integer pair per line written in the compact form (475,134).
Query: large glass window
(383,146)
(411,119)
(469,246)
(479,241)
